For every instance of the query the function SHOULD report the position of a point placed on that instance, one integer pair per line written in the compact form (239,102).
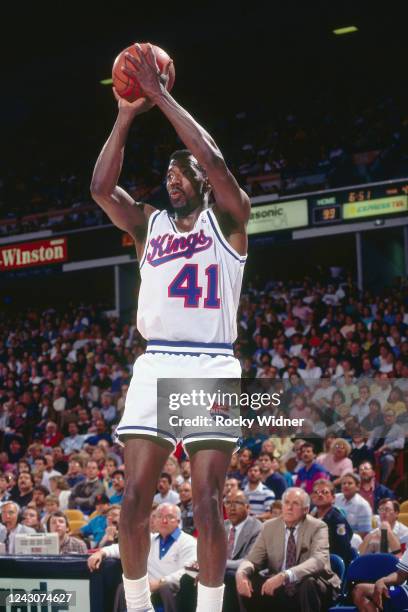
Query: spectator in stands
(52,436)
(60,463)
(111,465)
(165,493)
(60,488)
(293,459)
(337,461)
(118,485)
(32,518)
(186,508)
(386,440)
(164,570)
(361,407)
(340,532)
(371,490)
(244,462)
(390,533)
(108,409)
(270,477)
(58,523)
(112,526)
(96,527)
(172,467)
(10,526)
(371,597)
(74,441)
(307,578)
(4,489)
(356,509)
(74,474)
(374,418)
(39,496)
(84,493)
(231,487)
(51,505)
(259,496)
(22,494)
(276,508)
(311,470)
(360,453)
(396,402)
(101,433)
(49,471)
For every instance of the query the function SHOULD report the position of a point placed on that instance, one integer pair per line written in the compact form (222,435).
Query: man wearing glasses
(340,532)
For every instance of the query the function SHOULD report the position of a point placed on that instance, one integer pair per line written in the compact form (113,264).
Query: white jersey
(191,283)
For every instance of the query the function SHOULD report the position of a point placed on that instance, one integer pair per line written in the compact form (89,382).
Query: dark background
(272,57)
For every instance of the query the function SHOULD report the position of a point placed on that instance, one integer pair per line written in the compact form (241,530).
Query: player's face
(184,184)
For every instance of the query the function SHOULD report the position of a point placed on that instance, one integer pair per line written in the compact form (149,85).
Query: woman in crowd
(337,461)
(60,488)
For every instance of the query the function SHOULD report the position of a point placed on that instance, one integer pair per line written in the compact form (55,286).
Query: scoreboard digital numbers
(326,214)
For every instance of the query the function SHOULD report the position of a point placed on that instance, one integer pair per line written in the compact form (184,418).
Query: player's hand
(146,71)
(139,106)
(380,591)
(95,560)
(244,586)
(273,583)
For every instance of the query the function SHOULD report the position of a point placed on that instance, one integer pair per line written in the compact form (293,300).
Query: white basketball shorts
(183,361)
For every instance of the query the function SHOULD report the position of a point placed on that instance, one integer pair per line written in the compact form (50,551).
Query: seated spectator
(74,441)
(32,518)
(49,470)
(370,489)
(101,433)
(118,485)
(22,494)
(386,440)
(164,570)
(52,436)
(390,533)
(95,529)
(276,508)
(10,526)
(307,578)
(244,462)
(396,402)
(186,508)
(340,532)
(259,496)
(270,478)
(360,453)
(111,465)
(60,463)
(39,496)
(4,489)
(111,534)
(281,446)
(371,597)
(84,493)
(51,506)
(75,473)
(361,407)
(355,508)
(57,522)
(337,461)
(231,487)
(374,418)
(293,459)
(165,493)
(59,487)
(311,470)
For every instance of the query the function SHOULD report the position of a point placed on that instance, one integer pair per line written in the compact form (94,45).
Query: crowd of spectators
(318,146)
(338,358)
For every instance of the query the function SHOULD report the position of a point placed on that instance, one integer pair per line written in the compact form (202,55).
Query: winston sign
(38,253)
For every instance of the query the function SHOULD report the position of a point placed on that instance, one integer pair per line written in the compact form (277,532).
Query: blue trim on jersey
(220,345)
(148,237)
(140,427)
(241,258)
(173,225)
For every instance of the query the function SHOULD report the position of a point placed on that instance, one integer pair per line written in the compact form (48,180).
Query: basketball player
(191,266)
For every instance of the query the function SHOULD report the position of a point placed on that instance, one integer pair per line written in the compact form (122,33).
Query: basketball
(129,88)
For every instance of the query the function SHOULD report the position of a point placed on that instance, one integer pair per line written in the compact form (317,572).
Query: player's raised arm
(114,200)
(228,195)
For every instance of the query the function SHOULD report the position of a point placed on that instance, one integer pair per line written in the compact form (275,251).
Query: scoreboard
(333,207)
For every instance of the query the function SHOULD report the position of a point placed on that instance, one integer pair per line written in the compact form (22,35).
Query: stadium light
(106,82)
(345,30)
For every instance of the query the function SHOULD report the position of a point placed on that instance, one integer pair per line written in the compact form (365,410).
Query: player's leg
(144,460)
(208,471)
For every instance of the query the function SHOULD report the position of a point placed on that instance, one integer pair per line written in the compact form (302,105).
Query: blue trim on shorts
(140,427)
(221,345)
(164,352)
(203,348)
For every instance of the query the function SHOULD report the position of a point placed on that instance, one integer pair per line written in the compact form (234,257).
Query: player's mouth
(176,194)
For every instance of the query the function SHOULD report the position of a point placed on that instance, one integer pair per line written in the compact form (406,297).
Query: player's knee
(135,503)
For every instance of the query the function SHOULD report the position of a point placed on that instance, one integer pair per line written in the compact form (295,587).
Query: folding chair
(365,568)
(337,565)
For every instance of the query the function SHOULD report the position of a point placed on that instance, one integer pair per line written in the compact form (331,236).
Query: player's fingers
(167,67)
(151,57)
(132,60)
(140,54)
(131,73)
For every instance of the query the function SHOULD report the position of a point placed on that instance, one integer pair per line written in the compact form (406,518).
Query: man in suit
(242,531)
(295,550)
